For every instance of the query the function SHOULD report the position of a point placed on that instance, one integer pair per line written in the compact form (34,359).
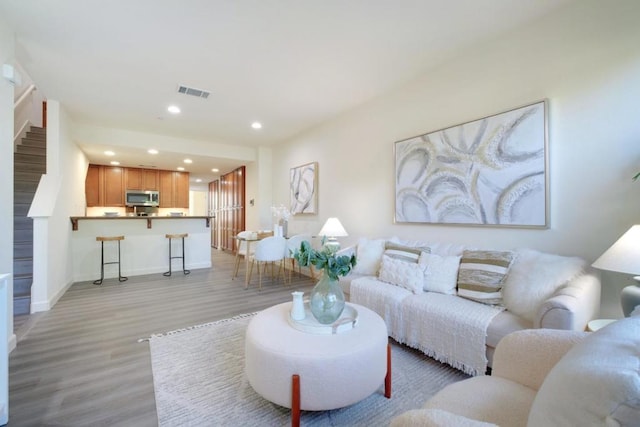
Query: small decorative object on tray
(309,324)
(111,214)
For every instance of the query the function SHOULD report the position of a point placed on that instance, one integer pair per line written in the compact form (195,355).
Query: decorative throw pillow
(441,273)
(481,275)
(369,254)
(534,277)
(407,275)
(404,253)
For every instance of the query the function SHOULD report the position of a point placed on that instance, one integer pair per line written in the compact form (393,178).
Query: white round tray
(347,321)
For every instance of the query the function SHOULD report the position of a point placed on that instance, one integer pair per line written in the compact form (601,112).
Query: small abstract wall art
(491,171)
(303,187)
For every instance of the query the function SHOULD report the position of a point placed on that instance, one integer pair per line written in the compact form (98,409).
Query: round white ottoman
(335,370)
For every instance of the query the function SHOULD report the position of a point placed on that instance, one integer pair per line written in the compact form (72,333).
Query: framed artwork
(491,171)
(303,187)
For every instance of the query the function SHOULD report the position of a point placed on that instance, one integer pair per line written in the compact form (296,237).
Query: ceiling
(290,64)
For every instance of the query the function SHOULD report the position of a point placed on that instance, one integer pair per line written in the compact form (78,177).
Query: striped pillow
(481,275)
(404,253)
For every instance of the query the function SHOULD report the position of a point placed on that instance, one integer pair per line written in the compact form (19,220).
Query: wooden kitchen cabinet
(181,190)
(166,189)
(106,185)
(150,179)
(113,186)
(94,186)
(141,179)
(174,189)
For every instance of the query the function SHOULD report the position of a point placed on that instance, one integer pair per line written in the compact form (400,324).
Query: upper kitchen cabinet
(113,186)
(94,186)
(141,179)
(104,186)
(174,189)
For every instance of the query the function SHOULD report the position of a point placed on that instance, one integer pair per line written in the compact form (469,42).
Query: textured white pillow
(407,275)
(534,277)
(441,273)
(368,256)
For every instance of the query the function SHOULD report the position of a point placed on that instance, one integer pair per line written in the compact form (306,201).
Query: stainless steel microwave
(142,198)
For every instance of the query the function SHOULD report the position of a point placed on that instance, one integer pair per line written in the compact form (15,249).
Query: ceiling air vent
(200,93)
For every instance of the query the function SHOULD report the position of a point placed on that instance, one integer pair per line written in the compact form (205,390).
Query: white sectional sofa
(418,289)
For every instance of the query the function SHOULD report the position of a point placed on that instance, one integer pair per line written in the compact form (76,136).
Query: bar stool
(176,236)
(103,239)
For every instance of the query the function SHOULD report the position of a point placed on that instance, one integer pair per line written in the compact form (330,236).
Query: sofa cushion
(481,275)
(404,253)
(534,277)
(440,273)
(368,256)
(596,383)
(435,418)
(401,273)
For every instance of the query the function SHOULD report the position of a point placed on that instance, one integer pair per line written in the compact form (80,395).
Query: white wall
(66,170)
(6,176)
(6,219)
(585,59)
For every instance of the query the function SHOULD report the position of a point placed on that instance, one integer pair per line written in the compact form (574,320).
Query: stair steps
(29,163)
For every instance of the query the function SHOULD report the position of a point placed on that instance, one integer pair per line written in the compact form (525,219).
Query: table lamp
(624,257)
(332,229)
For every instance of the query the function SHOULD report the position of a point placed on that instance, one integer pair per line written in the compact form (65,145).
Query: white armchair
(544,377)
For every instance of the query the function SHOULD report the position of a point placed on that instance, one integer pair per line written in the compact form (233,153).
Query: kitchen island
(144,250)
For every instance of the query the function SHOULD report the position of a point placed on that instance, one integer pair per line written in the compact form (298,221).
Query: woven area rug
(199,380)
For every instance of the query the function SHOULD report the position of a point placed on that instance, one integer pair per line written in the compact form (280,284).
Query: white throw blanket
(448,328)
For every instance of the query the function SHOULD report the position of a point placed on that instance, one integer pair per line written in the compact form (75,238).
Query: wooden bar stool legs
(102,239)
(176,236)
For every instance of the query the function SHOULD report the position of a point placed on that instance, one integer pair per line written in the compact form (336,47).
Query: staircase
(29,163)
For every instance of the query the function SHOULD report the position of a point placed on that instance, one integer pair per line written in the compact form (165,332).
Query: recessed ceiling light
(173,109)
(114,163)
(215,170)
(152,151)
(109,153)
(198,180)
(256,125)
(180,168)
(188,161)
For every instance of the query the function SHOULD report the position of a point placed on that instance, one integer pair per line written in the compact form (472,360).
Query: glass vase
(326,300)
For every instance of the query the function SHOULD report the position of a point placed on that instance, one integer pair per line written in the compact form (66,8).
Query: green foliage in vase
(326,259)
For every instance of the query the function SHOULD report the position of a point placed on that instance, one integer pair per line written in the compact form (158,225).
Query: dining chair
(268,250)
(242,250)
(293,244)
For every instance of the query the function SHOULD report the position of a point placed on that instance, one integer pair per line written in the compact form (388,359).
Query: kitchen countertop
(149,219)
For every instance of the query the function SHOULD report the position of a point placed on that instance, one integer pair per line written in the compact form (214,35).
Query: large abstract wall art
(303,187)
(491,171)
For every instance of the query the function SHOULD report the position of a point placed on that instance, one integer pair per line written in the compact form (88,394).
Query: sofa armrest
(435,418)
(572,306)
(348,251)
(527,356)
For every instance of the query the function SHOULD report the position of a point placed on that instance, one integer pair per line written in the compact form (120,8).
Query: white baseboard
(38,306)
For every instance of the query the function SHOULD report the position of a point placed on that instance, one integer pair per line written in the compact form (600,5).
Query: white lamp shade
(624,255)
(333,228)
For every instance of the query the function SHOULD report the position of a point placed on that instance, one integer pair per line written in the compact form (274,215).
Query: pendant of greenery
(325,259)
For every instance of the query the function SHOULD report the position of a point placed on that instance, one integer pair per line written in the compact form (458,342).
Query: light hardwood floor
(80,364)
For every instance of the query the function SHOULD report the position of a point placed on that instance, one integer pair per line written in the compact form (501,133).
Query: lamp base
(332,244)
(630,297)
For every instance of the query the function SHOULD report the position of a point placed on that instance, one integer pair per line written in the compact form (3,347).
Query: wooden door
(214,189)
(232,195)
(94,186)
(113,186)
(165,188)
